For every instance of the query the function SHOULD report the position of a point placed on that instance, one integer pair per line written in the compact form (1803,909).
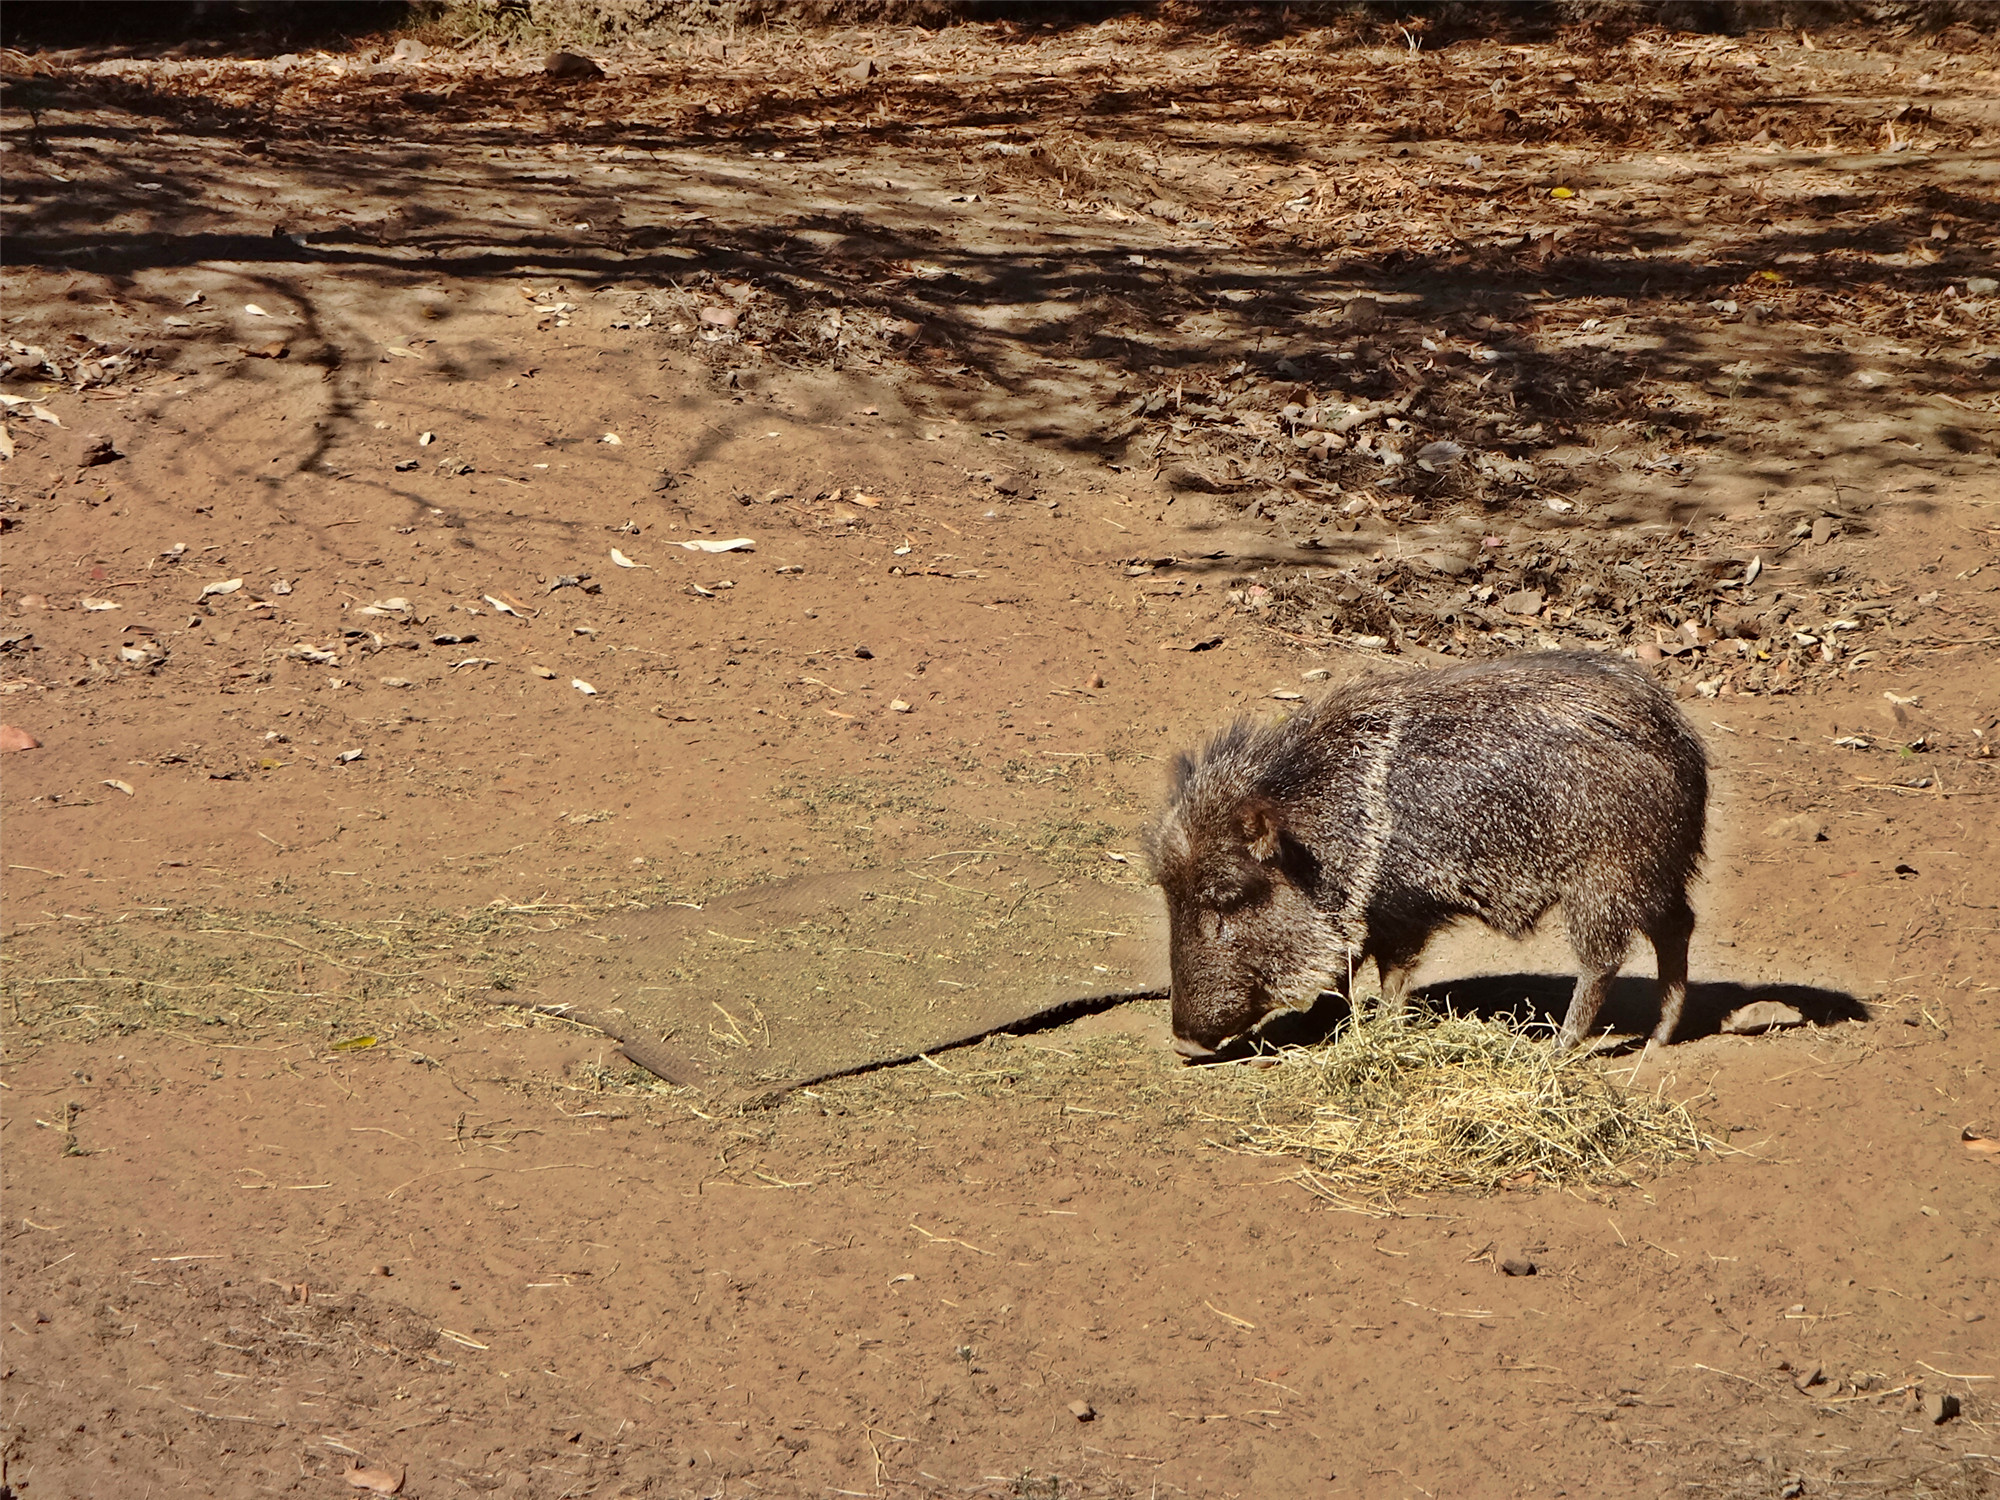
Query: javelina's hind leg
(1670,945)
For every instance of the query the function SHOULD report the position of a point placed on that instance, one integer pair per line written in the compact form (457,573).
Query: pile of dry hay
(1389,1109)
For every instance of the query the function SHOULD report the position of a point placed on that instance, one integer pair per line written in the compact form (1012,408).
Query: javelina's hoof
(1194,1052)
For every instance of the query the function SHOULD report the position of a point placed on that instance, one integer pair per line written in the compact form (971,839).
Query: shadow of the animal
(1537,1001)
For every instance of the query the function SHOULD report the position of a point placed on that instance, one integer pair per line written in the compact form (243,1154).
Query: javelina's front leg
(1584,1003)
(1395,987)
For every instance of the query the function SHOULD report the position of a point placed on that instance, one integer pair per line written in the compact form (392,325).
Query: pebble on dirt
(98,449)
(17,739)
(379,1481)
(1515,1263)
(1800,828)
(1760,1016)
(1940,1407)
(1083,1411)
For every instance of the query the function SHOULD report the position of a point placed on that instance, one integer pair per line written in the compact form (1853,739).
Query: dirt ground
(363,411)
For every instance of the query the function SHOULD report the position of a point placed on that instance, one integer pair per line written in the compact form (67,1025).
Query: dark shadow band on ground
(1537,1001)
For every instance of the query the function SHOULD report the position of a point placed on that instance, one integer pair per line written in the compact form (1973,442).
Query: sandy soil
(360,412)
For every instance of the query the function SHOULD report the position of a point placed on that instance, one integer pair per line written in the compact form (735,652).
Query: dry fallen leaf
(1980,1144)
(119,786)
(228,586)
(101,604)
(254,310)
(735,544)
(625,562)
(381,1481)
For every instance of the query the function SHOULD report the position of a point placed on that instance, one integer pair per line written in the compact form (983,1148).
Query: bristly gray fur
(1391,807)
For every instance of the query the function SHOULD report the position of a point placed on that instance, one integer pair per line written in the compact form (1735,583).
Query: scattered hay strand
(1393,1109)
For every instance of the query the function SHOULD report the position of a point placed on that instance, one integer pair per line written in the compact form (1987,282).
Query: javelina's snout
(1288,854)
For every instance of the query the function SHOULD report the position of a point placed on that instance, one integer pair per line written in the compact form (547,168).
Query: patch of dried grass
(1390,1109)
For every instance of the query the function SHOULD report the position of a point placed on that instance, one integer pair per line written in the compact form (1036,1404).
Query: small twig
(1227,1317)
(939,1239)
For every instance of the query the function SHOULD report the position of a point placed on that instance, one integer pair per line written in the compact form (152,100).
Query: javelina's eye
(1234,894)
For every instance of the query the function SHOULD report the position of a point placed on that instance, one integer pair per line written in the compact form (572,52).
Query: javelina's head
(1246,937)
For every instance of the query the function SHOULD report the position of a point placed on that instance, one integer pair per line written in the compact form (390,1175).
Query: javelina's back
(1396,805)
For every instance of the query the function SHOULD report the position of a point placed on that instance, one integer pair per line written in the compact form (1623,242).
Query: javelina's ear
(1262,827)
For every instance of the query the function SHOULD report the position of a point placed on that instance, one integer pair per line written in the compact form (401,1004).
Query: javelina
(1290,853)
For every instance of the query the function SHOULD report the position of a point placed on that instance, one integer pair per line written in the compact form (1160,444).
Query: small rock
(862,653)
(1822,531)
(1940,1407)
(1523,602)
(1760,1016)
(1981,286)
(1800,828)
(1515,1263)
(1083,1411)
(409,49)
(1791,1489)
(17,739)
(898,706)
(1363,312)
(98,449)
(1094,681)
(861,72)
(571,65)
(721,317)
(1809,1377)
(1453,562)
